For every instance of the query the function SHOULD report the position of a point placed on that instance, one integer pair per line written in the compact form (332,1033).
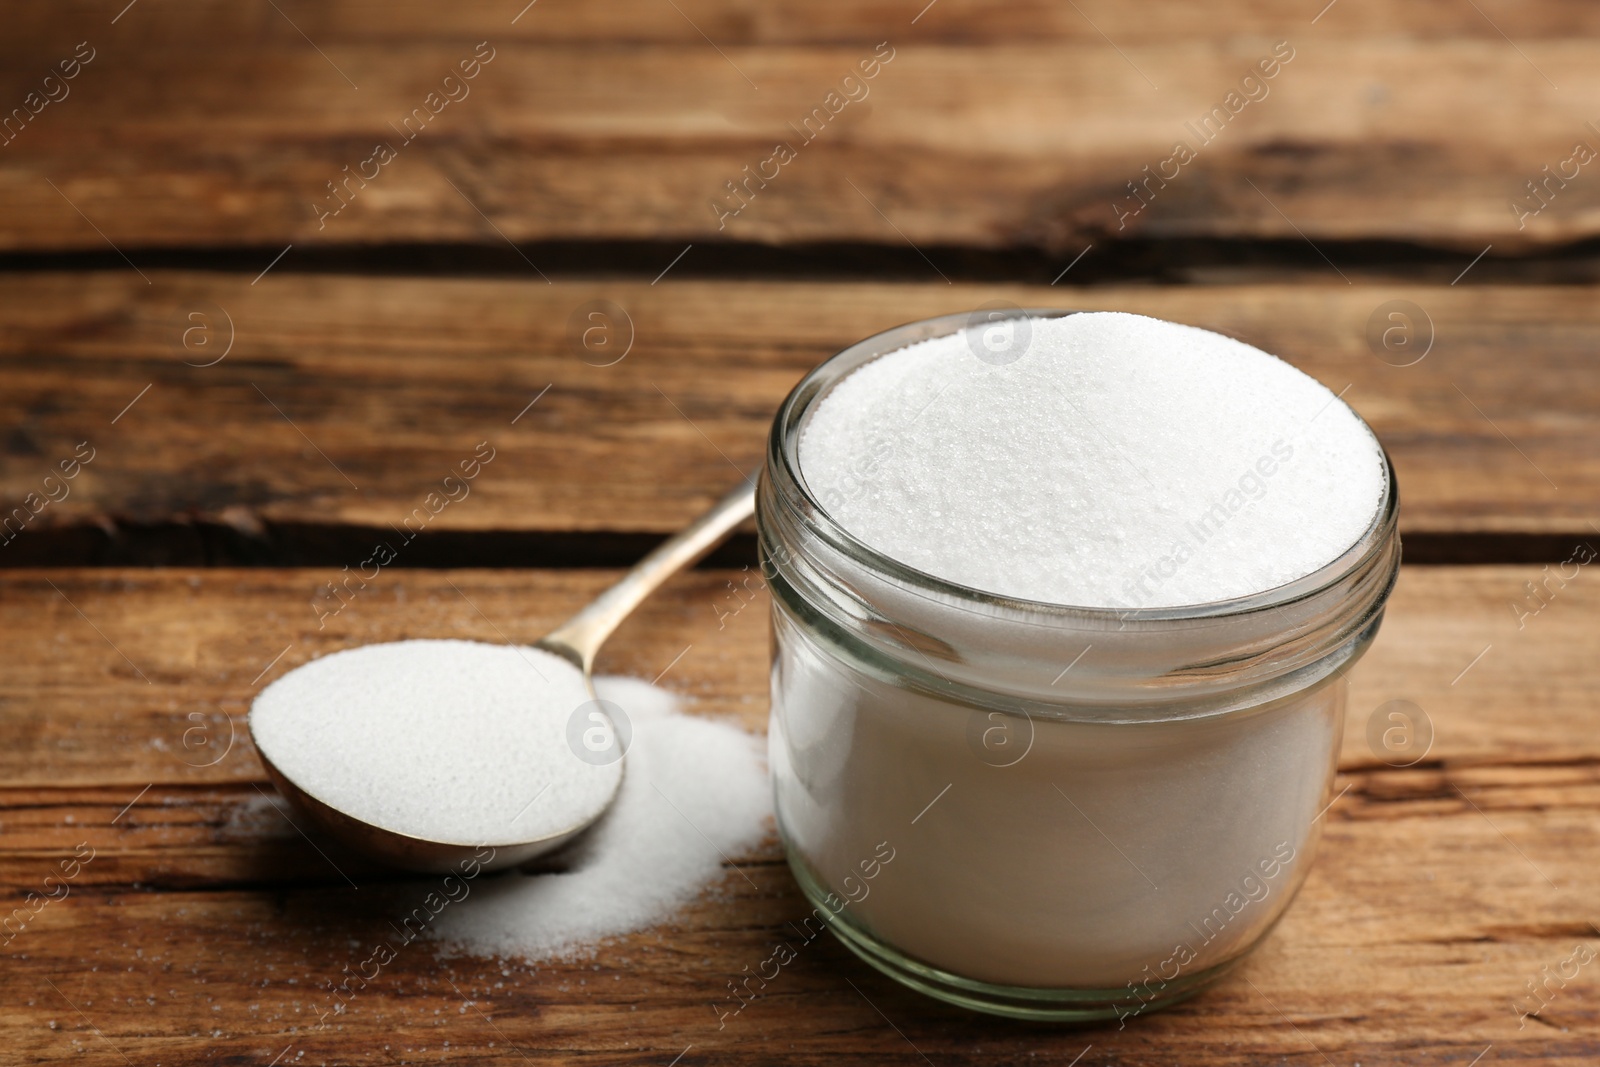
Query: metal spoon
(577,640)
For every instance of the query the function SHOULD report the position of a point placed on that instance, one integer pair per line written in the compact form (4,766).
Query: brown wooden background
(179,175)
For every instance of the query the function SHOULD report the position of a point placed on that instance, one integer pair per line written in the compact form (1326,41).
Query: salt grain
(1118,462)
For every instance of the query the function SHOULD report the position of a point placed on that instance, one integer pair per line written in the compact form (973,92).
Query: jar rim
(784,461)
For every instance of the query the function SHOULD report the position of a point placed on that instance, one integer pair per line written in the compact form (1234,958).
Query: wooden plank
(1413,936)
(1022,143)
(204,926)
(141,686)
(176,644)
(749,22)
(346,401)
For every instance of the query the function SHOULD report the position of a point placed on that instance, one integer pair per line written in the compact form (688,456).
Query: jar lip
(784,460)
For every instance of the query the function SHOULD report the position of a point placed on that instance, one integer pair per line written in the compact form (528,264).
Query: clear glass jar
(1036,810)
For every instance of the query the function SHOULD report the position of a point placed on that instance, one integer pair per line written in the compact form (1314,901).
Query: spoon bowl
(395,849)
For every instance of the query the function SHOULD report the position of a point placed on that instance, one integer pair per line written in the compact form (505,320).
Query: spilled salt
(694,797)
(1100,460)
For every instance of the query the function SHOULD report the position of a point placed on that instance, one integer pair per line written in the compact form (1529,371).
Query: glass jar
(1037,810)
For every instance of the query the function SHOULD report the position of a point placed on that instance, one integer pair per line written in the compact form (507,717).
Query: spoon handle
(586,631)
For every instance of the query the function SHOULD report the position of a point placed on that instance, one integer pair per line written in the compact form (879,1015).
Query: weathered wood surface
(348,400)
(205,928)
(203,125)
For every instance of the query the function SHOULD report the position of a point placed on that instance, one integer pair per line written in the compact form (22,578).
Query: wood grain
(1029,141)
(204,926)
(346,401)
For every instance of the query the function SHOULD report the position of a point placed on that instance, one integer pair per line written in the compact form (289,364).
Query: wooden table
(257,359)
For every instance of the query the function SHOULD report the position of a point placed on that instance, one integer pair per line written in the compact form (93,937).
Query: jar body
(1034,809)
(1041,867)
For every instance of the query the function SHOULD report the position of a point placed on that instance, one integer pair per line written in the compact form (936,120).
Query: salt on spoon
(387,801)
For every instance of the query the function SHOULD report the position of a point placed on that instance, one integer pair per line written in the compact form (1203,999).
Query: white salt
(694,797)
(1119,462)
(444,740)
